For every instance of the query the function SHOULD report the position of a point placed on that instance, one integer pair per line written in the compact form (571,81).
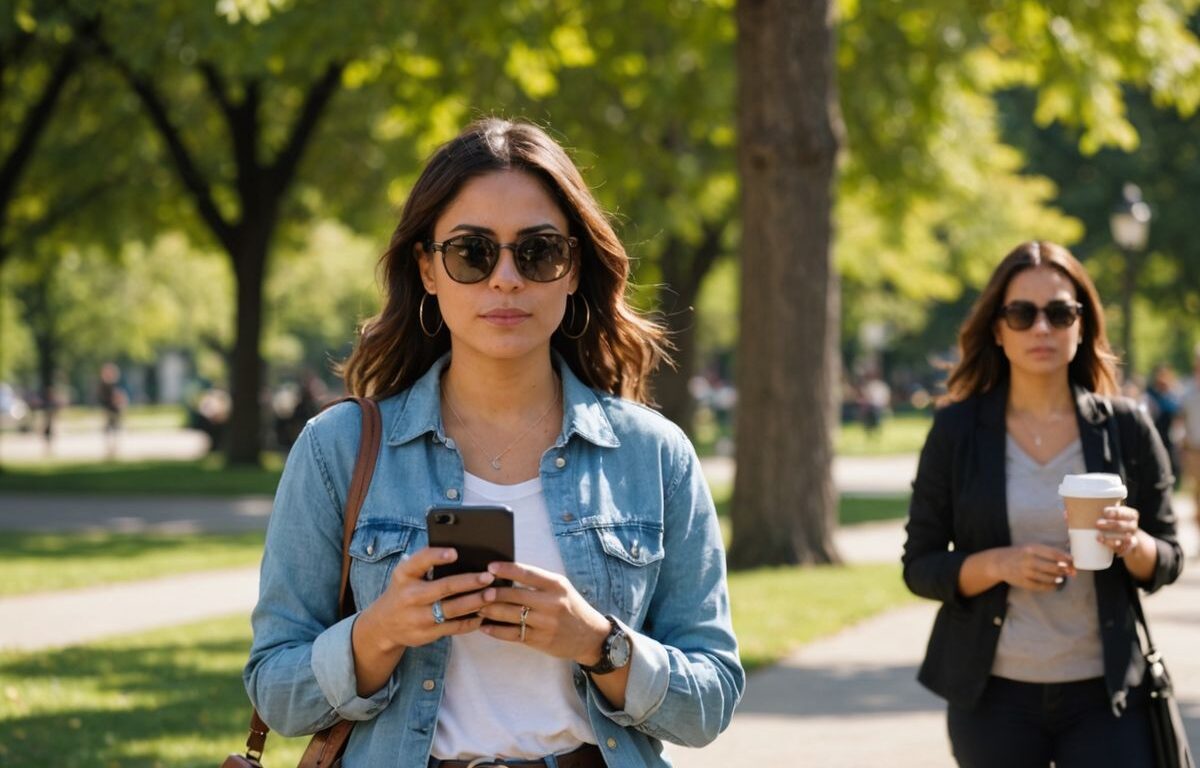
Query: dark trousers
(1028,725)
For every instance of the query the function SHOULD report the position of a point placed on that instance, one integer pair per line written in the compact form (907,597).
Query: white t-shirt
(506,699)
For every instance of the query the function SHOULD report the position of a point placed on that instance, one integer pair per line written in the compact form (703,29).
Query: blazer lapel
(992,437)
(1093,436)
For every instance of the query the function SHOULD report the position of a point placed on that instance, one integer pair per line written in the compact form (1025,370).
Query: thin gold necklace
(495,460)
(1027,418)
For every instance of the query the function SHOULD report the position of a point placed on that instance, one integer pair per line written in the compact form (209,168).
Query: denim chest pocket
(631,553)
(375,549)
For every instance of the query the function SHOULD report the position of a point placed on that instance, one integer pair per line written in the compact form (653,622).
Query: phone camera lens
(445,518)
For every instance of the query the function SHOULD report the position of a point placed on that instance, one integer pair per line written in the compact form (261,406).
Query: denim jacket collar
(420,411)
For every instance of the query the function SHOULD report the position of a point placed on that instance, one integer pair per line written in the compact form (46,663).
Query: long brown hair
(982,364)
(619,348)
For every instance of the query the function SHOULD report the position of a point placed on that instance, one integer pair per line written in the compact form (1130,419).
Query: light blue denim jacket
(638,534)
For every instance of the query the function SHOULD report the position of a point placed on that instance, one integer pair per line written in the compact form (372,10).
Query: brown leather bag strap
(364,470)
(327,745)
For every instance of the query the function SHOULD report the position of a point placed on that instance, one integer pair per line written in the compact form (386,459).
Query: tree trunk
(244,433)
(784,500)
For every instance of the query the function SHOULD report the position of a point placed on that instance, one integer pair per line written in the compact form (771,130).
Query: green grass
(168,698)
(78,418)
(174,697)
(204,477)
(852,508)
(37,562)
(776,610)
(902,433)
(897,434)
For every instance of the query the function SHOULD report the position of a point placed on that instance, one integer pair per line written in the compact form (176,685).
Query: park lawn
(136,418)
(167,698)
(204,477)
(174,697)
(853,508)
(898,434)
(776,610)
(43,562)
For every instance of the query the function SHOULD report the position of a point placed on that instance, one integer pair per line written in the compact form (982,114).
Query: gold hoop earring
(421,319)
(587,319)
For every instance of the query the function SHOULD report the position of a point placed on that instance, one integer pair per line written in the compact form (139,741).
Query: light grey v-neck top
(1047,637)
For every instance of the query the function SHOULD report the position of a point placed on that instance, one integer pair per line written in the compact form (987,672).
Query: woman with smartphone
(511,372)
(1037,659)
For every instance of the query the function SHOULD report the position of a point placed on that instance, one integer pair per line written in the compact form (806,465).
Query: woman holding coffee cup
(1036,655)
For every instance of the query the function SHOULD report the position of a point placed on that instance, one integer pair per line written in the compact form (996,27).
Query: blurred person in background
(1162,399)
(509,368)
(112,399)
(1038,661)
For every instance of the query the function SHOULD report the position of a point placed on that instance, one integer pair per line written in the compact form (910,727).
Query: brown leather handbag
(326,748)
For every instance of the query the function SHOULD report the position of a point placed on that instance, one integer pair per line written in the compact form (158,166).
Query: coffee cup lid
(1093,485)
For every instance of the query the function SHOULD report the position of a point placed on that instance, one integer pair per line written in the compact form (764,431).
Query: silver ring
(438,616)
(524,615)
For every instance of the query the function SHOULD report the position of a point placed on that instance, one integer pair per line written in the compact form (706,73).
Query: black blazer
(959,501)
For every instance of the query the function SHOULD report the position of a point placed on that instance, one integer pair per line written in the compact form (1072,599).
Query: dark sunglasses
(1021,315)
(542,258)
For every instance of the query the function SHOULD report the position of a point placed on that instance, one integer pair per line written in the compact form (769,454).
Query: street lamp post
(1130,224)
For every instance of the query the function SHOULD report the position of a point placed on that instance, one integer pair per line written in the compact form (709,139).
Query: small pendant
(1037,440)
(496,462)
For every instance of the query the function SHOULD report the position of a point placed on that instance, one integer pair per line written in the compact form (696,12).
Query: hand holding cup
(1118,527)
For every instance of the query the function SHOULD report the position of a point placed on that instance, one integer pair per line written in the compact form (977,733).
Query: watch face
(618,651)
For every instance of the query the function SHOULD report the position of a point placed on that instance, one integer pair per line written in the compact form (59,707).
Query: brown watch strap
(326,745)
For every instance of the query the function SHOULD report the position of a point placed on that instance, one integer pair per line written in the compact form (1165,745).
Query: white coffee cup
(1085,498)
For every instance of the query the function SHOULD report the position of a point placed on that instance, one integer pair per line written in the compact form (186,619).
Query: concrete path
(74,617)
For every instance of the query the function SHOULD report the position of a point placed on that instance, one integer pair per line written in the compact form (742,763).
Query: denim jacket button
(428,685)
(452,493)
(567,517)
(611,743)
(370,549)
(560,462)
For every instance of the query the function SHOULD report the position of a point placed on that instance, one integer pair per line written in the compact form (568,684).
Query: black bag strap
(327,744)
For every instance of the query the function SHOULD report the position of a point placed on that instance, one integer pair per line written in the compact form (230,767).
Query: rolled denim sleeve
(646,686)
(685,676)
(300,674)
(333,666)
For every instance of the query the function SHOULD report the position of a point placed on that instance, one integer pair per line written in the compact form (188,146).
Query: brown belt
(587,756)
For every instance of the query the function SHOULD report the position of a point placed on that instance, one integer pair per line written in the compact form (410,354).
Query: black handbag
(1171,749)
(1170,742)
(326,748)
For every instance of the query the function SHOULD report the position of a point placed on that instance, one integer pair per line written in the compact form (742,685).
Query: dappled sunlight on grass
(204,477)
(169,698)
(39,562)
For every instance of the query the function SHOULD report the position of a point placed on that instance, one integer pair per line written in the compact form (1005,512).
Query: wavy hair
(619,349)
(982,365)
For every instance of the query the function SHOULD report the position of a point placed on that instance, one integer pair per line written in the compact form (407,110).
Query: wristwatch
(614,654)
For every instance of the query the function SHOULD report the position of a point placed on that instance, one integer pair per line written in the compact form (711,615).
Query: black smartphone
(480,534)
